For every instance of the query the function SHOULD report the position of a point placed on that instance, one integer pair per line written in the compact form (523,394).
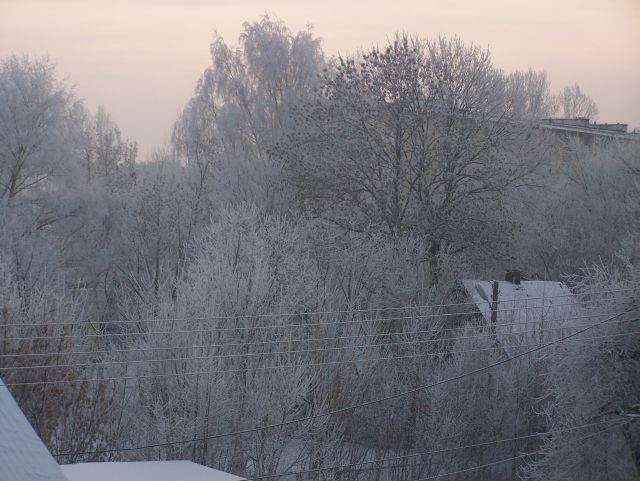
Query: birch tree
(242,103)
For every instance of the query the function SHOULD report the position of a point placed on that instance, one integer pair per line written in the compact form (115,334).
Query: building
(23,455)
(585,130)
(521,311)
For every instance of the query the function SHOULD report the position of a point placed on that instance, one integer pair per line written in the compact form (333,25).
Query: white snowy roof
(145,471)
(530,309)
(23,456)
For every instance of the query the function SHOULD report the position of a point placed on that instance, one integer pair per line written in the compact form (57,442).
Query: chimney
(513,276)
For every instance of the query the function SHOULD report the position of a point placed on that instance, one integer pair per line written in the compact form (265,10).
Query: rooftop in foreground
(145,471)
(23,456)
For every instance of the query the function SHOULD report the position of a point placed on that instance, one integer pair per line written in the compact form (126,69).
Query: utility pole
(494,304)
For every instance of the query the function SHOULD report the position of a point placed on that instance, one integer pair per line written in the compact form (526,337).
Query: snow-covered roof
(535,310)
(145,471)
(23,456)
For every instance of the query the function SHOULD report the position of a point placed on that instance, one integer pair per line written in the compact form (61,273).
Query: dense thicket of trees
(266,265)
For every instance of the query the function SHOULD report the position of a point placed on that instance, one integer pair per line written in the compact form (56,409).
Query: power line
(353,406)
(301,365)
(285,340)
(288,340)
(343,311)
(291,366)
(268,327)
(514,458)
(274,326)
(300,351)
(429,453)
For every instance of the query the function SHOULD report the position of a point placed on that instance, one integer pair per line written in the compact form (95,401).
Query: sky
(140,59)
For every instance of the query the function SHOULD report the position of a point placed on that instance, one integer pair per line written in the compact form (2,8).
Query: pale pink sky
(141,59)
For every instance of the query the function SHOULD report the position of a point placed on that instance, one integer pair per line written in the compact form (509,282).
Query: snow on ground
(23,456)
(145,471)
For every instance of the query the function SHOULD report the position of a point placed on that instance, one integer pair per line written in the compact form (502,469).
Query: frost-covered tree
(245,265)
(60,167)
(531,94)
(582,213)
(39,123)
(196,143)
(574,103)
(35,110)
(42,328)
(258,82)
(595,381)
(241,106)
(416,137)
(156,227)
(107,155)
(243,309)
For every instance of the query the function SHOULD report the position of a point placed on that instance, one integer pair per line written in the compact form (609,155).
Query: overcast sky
(141,59)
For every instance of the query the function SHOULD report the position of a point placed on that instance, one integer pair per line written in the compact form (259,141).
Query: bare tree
(421,136)
(574,103)
(531,94)
(107,155)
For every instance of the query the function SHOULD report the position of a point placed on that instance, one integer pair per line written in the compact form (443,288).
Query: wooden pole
(494,304)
